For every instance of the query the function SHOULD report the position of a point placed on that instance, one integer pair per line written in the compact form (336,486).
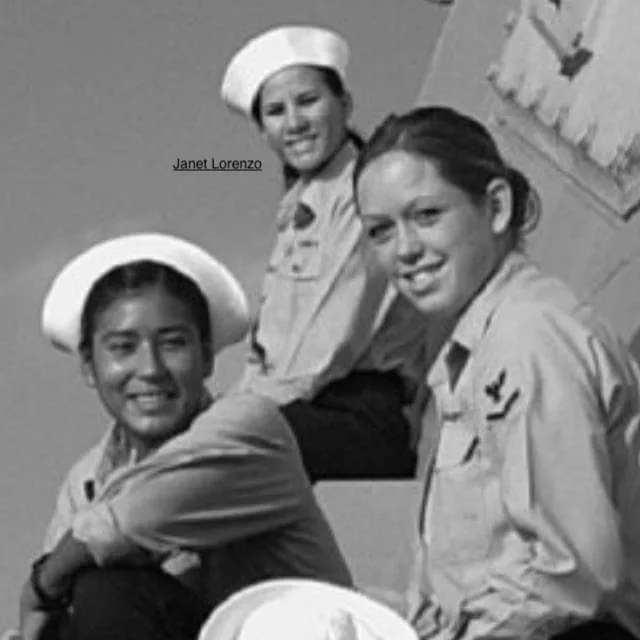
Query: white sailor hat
(274,50)
(67,296)
(303,609)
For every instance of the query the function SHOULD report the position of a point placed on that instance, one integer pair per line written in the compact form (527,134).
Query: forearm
(68,558)
(222,480)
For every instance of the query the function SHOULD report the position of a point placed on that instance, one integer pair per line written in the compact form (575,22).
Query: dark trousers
(132,604)
(355,428)
(596,631)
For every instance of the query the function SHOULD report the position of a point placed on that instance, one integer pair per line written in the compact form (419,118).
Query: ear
(86,369)
(499,205)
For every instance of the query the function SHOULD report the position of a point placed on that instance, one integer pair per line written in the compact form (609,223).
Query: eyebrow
(410,206)
(131,333)
(298,94)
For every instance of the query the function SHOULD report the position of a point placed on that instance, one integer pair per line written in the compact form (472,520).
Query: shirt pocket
(303,259)
(460,529)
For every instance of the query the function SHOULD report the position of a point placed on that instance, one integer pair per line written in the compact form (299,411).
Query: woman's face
(435,242)
(148,365)
(302,119)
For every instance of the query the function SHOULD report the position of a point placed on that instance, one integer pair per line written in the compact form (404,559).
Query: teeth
(302,145)
(420,279)
(151,400)
(423,276)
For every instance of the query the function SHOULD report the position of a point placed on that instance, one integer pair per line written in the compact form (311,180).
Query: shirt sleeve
(62,517)
(556,485)
(231,476)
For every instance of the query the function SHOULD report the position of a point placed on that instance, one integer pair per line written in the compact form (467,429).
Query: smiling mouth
(422,276)
(301,145)
(153,399)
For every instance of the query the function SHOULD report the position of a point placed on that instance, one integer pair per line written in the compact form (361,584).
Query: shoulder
(85,466)
(554,339)
(540,311)
(246,409)
(244,418)
(81,471)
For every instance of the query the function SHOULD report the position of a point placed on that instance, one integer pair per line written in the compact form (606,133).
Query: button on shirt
(232,489)
(532,519)
(325,303)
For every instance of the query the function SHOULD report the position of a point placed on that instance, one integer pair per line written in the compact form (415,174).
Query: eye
(307,99)
(380,231)
(427,216)
(274,109)
(121,347)
(175,341)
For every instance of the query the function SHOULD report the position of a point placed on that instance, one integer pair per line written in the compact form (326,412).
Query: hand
(29,602)
(33,622)
(35,625)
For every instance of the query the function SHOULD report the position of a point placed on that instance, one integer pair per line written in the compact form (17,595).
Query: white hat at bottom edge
(303,609)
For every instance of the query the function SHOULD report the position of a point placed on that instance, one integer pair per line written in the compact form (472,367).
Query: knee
(97,593)
(140,603)
(104,606)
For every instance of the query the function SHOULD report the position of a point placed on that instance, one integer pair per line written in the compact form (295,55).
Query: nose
(150,362)
(409,245)
(295,120)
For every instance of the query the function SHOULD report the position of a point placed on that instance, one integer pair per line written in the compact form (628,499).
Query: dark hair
(334,83)
(133,277)
(462,149)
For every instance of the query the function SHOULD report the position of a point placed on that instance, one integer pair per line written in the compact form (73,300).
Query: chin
(307,166)
(429,304)
(158,431)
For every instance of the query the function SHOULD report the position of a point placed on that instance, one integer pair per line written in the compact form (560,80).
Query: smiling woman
(530,514)
(152,519)
(332,345)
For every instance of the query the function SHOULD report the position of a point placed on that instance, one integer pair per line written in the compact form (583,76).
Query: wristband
(46,601)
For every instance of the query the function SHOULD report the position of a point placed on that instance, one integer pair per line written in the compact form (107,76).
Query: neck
(327,161)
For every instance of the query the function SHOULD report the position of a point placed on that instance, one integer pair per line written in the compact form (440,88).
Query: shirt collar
(116,454)
(475,320)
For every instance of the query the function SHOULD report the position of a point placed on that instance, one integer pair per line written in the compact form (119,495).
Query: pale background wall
(98,100)
(594,250)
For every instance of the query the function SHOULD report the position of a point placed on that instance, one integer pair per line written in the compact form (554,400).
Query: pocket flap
(456,447)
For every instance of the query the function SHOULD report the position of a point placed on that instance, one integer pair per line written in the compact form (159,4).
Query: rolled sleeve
(231,476)
(97,528)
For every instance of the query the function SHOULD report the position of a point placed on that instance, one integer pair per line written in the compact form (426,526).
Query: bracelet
(46,601)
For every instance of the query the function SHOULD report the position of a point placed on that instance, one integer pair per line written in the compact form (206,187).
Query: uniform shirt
(325,304)
(532,518)
(231,489)
(87,478)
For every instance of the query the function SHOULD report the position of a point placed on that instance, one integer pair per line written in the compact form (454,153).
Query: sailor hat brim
(304,598)
(65,301)
(275,50)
